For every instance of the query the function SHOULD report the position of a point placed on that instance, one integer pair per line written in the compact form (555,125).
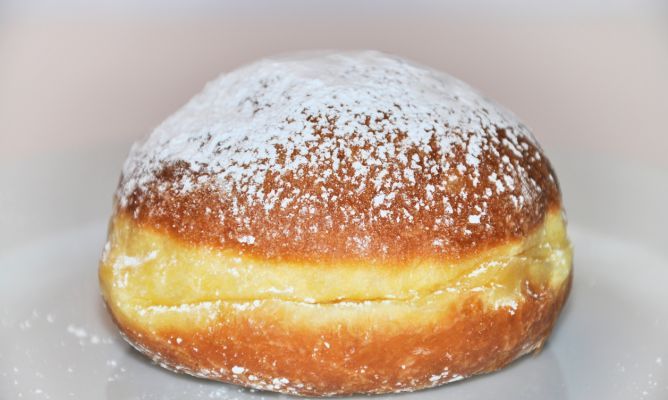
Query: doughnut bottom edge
(266,355)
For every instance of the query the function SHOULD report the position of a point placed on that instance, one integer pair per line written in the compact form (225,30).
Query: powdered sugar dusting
(362,128)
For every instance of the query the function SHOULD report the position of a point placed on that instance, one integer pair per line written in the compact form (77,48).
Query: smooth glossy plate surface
(57,342)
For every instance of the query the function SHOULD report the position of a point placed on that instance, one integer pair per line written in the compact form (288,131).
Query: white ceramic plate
(57,342)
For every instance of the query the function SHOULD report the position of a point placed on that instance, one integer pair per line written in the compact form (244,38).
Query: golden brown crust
(296,360)
(280,234)
(283,234)
(420,165)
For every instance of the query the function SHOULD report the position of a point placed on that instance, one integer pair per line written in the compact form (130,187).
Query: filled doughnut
(336,223)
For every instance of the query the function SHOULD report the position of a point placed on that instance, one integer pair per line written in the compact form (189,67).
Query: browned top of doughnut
(340,158)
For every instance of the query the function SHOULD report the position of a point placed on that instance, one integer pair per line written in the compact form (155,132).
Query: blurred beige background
(587,74)
(81,80)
